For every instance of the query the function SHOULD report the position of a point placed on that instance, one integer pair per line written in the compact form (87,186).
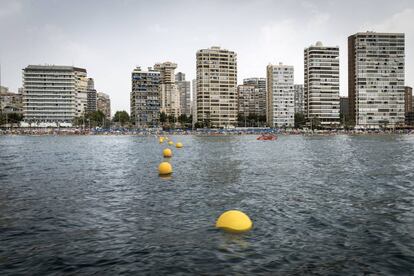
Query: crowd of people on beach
(199,131)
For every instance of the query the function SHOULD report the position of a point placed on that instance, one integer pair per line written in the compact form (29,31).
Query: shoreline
(201,133)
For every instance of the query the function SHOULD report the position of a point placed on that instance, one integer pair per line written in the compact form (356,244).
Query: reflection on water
(320,205)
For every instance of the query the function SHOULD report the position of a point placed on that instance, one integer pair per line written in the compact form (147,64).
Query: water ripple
(95,205)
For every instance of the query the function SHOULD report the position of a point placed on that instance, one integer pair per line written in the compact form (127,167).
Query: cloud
(400,22)
(10,8)
(282,41)
(157,28)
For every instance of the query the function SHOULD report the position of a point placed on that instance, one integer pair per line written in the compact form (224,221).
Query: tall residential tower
(321,87)
(216,87)
(260,96)
(280,96)
(145,103)
(168,92)
(53,94)
(376,79)
(184,90)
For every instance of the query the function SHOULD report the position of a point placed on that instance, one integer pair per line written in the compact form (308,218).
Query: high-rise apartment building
(216,87)
(184,90)
(91,96)
(53,94)
(260,84)
(321,84)
(376,79)
(408,106)
(344,108)
(248,103)
(280,96)
(194,101)
(103,103)
(408,99)
(145,102)
(168,91)
(299,103)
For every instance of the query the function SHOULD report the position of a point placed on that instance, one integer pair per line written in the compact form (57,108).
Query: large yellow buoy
(170,143)
(167,152)
(165,168)
(179,145)
(234,221)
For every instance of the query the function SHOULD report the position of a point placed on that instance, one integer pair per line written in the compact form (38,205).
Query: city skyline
(111,47)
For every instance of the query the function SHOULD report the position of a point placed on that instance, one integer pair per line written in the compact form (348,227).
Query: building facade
(376,79)
(299,103)
(145,102)
(248,103)
(408,99)
(194,101)
(216,87)
(321,84)
(344,108)
(168,92)
(408,106)
(53,94)
(10,102)
(280,96)
(91,96)
(260,84)
(103,104)
(184,90)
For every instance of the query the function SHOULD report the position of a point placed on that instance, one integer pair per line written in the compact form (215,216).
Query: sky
(110,38)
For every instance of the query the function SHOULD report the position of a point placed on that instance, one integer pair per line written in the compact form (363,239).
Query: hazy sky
(110,38)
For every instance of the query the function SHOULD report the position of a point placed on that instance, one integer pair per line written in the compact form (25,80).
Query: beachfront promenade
(200,131)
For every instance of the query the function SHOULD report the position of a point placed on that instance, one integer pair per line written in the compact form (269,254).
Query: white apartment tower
(53,94)
(298,98)
(321,87)
(376,79)
(168,91)
(216,87)
(280,96)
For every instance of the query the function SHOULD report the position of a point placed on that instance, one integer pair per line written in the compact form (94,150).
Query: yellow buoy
(179,145)
(167,152)
(165,168)
(234,221)
(170,143)
(161,140)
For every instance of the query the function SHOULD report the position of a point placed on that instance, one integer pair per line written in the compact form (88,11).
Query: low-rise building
(10,102)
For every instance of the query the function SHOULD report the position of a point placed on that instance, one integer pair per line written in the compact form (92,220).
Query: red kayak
(267,137)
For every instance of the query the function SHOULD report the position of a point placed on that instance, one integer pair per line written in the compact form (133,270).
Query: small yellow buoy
(170,143)
(179,145)
(167,152)
(234,221)
(165,168)
(161,140)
